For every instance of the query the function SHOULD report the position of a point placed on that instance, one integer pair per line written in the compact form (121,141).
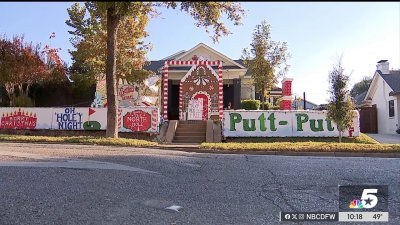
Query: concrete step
(189,139)
(190,133)
(192,125)
(192,122)
(187,130)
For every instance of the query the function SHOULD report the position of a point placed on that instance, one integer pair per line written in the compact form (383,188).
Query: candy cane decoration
(165,104)
(220,91)
(154,119)
(180,101)
(119,118)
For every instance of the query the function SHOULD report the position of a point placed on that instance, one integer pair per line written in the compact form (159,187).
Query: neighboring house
(299,104)
(274,94)
(358,100)
(237,82)
(384,94)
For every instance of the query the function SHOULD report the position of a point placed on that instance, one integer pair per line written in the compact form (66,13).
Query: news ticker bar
(335,216)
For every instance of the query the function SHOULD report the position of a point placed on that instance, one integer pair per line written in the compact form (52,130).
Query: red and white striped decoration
(119,118)
(165,102)
(191,62)
(220,91)
(180,101)
(154,119)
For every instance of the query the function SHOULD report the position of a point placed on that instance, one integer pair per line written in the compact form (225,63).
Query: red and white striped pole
(165,100)
(220,91)
(119,117)
(180,101)
(154,119)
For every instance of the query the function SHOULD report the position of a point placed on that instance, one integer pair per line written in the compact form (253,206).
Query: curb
(197,149)
(283,153)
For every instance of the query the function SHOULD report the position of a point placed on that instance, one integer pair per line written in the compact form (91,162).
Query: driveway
(386,138)
(77,184)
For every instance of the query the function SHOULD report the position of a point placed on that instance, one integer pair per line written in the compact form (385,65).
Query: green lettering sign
(300,121)
(271,119)
(261,118)
(234,118)
(246,126)
(320,125)
(329,125)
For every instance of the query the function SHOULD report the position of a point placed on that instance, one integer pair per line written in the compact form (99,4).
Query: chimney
(383,66)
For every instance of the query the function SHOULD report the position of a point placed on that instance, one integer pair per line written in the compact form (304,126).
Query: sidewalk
(386,138)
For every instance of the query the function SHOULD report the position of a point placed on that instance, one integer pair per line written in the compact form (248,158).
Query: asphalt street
(79,184)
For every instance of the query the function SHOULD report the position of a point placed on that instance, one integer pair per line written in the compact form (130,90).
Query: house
(274,94)
(198,70)
(298,104)
(384,95)
(358,100)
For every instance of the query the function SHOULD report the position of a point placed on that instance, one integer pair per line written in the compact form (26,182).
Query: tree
(340,106)
(126,21)
(266,59)
(361,86)
(24,64)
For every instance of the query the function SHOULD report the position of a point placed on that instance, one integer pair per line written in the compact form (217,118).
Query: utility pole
(304,100)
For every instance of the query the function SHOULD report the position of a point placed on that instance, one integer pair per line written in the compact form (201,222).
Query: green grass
(304,147)
(80,139)
(362,139)
(363,143)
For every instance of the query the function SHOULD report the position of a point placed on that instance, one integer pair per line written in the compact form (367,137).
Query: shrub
(276,107)
(250,104)
(267,105)
(23,101)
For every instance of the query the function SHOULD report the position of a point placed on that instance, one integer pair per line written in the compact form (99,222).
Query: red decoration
(194,57)
(286,105)
(205,104)
(137,121)
(18,120)
(351,130)
(91,111)
(287,88)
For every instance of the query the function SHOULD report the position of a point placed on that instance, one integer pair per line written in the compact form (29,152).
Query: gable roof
(392,79)
(360,98)
(212,50)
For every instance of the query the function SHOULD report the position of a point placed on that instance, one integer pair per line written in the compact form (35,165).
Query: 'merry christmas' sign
(276,123)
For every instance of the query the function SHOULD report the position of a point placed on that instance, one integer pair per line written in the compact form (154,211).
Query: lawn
(80,139)
(309,144)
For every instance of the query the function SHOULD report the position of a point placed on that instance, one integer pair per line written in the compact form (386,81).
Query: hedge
(250,104)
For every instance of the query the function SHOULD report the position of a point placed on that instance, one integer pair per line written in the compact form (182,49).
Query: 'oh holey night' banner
(277,123)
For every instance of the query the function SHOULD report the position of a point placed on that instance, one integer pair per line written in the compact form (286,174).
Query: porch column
(237,87)
(165,100)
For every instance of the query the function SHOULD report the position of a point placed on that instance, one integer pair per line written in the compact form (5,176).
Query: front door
(205,101)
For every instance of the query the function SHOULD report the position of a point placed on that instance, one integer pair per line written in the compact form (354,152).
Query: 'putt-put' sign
(282,123)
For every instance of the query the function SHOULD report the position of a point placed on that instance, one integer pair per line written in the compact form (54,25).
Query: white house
(384,94)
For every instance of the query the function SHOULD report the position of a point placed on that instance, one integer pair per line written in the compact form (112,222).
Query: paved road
(74,184)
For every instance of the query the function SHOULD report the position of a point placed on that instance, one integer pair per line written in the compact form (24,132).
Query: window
(391,108)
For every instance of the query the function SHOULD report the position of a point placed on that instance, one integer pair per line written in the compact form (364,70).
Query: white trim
(173,55)
(371,86)
(212,50)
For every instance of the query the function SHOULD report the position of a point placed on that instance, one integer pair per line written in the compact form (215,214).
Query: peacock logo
(356,204)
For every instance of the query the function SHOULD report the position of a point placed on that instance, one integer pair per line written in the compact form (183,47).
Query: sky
(317,34)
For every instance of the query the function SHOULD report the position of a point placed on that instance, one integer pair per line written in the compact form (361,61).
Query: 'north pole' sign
(137,120)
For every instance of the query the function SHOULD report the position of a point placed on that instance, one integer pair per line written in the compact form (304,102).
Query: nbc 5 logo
(368,200)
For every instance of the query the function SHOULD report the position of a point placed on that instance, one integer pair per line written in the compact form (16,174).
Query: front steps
(190,132)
